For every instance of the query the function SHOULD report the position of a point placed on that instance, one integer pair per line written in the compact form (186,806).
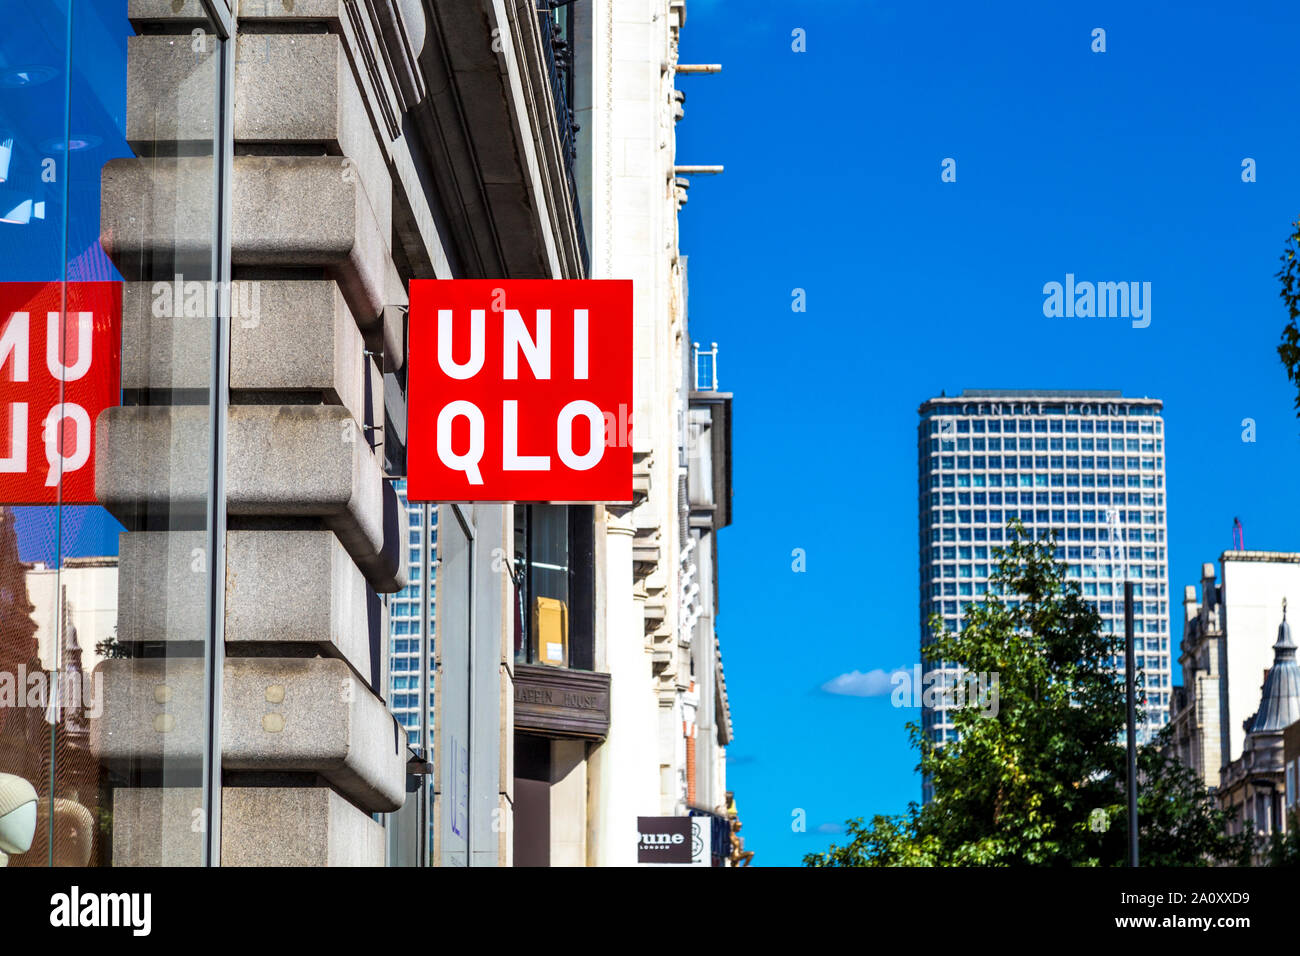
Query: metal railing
(555,18)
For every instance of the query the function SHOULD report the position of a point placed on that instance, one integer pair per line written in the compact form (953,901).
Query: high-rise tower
(1089,464)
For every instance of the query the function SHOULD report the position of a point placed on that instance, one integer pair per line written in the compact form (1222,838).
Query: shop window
(554,587)
(87,611)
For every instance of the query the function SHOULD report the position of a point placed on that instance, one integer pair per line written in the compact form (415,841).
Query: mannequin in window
(17,816)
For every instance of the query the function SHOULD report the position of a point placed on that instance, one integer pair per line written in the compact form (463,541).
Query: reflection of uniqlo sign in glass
(520,390)
(60,366)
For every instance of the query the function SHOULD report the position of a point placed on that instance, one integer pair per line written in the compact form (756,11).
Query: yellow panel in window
(551,631)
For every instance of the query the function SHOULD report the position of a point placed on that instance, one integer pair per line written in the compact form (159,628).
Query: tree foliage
(1283,849)
(1043,780)
(1289,275)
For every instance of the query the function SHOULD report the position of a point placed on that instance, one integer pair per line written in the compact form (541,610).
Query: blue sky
(1122,165)
(40,250)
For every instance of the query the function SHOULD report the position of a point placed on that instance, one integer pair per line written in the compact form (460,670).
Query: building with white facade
(1254,585)
(1089,465)
(86,588)
(660,629)
(651,575)
(594,694)
(707,505)
(1227,653)
(1253,785)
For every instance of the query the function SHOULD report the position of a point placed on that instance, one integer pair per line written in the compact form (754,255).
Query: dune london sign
(663,840)
(520,390)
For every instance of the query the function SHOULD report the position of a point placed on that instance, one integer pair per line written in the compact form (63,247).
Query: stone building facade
(661,750)
(1196,709)
(1253,786)
(276,174)
(1226,653)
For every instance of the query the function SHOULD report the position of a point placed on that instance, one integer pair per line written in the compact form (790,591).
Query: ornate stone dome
(1279,705)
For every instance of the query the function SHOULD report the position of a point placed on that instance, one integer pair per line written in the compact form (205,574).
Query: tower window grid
(1065,474)
(405,622)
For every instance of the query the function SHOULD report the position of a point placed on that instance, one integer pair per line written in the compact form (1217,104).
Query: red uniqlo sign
(520,390)
(59,368)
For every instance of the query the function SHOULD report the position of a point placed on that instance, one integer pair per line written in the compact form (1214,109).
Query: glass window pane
(106,553)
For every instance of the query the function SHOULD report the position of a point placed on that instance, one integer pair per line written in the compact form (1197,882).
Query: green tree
(1283,849)
(1289,274)
(111,648)
(1040,778)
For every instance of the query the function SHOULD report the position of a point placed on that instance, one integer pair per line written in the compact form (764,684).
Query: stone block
(298,90)
(296,826)
(395,330)
(322,218)
(301,587)
(385,564)
(282,587)
(324,467)
(155,211)
(288,715)
(328,11)
(171,87)
(152,457)
(260,826)
(155,826)
(285,336)
(300,337)
(281,461)
(162,587)
(162,346)
(169,12)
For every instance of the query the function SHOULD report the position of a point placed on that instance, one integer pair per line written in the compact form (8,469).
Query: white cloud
(873,683)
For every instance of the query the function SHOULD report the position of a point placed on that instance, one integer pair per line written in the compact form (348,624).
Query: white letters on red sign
(59,368)
(529,395)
